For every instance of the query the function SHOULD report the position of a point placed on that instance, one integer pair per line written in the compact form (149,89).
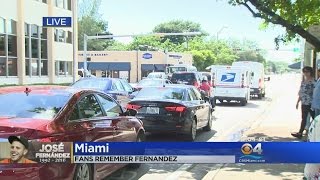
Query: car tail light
(133,106)
(175,108)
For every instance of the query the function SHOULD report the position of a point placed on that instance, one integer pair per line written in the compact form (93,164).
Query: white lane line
(176,174)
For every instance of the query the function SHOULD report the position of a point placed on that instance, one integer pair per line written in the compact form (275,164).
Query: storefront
(131,65)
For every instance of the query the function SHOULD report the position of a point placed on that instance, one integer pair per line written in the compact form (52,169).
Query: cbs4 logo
(249,149)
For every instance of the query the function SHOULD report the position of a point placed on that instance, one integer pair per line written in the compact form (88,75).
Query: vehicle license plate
(152,110)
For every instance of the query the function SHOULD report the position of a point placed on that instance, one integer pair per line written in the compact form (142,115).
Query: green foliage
(90,23)
(277,66)
(177,26)
(295,15)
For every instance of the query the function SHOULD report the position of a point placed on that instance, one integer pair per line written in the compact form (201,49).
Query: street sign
(56,21)
(175,56)
(147,56)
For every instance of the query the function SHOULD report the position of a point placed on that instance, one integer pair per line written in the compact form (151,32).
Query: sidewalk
(276,125)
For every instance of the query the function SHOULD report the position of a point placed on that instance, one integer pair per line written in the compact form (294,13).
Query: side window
(126,86)
(197,93)
(75,113)
(192,95)
(118,85)
(188,96)
(89,107)
(110,107)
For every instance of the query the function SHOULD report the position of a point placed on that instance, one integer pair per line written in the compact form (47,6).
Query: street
(232,121)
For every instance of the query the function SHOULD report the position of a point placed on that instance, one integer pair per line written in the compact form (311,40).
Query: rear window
(161,93)
(93,84)
(38,106)
(184,77)
(150,82)
(177,69)
(155,75)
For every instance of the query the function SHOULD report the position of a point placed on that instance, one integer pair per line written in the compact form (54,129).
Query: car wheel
(209,124)
(83,172)
(243,102)
(193,130)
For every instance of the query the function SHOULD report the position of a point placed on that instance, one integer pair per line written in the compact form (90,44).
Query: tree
(178,26)
(210,52)
(90,23)
(144,43)
(296,16)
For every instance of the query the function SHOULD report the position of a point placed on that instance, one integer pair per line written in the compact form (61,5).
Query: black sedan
(173,108)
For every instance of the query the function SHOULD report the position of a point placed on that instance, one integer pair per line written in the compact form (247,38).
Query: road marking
(176,174)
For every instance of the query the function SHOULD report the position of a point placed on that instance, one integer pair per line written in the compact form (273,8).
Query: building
(131,65)
(30,53)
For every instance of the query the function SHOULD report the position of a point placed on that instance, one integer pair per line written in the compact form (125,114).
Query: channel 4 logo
(251,154)
(56,22)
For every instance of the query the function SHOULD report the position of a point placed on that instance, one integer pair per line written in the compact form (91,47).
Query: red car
(66,115)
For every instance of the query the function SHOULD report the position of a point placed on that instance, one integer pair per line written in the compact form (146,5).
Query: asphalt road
(231,120)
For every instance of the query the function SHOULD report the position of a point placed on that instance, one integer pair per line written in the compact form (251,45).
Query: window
(2,45)
(34,31)
(192,95)
(44,49)
(34,67)
(34,48)
(63,68)
(27,67)
(3,67)
(12,45)
(75,113)
(89,107)
(61,36)
(69,4)
(43,33)
(69,37)
(60,3)
(118,85)
(110,107)
(44,1)
(44,67)
(12,67)
(2,25)
(126,86)
(197,93)
(12,27)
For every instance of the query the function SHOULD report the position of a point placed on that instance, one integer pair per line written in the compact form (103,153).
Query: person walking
(305,96)
(316,96)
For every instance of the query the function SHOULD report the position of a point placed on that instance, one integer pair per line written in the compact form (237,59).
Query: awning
(296,65)
(105,66)
(152,67)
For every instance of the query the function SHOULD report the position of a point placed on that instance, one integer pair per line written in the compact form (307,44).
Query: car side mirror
(130,112)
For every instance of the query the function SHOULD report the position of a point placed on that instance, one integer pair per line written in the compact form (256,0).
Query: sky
(141,16)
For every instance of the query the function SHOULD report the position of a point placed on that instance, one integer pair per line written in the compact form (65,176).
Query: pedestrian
(316,97)
(305,96)
(205,87)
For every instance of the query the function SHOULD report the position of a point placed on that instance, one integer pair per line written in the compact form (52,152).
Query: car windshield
(92,84)
(161,93)
(39,105)
(150,82)
(184,77)
(177,69)
(155,75)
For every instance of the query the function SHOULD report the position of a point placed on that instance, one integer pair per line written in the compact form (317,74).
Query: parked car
(187,78)
(173,108)
(159,75)
(119,89)
(151,82)
(60,114)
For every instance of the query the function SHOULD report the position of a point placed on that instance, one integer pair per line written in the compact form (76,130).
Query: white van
(180,68)
(258,77)
(231,84)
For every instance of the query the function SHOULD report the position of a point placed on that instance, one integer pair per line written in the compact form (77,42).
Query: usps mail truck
(258,77)
(231,84)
